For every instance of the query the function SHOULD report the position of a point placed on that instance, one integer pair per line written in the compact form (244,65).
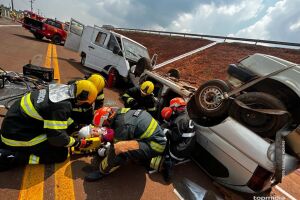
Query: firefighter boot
(10,159)
(7,158)
(167,168)
(94,176)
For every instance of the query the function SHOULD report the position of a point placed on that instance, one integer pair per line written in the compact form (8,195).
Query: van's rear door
(74,35)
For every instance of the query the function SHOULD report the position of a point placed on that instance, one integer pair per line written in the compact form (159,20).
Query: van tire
(141,65)
(264,125)
(113,78)
(56,39)
(205,94)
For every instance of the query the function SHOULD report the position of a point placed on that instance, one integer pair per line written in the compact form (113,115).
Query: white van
(104,50)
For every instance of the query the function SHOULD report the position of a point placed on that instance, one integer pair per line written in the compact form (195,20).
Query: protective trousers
(43,153)
(112,161)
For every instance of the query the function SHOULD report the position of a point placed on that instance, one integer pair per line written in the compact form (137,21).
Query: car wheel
(263,124)
(208,99)
(198,117)
(82,61)
(56,39)
(174,73)
(38,36)
(142,64)
(113,78)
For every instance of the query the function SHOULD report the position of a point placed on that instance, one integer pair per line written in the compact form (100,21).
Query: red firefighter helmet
(178,104)
(101,116)
(166,113)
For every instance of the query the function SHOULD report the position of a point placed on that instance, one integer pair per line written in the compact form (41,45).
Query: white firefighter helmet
(85,132)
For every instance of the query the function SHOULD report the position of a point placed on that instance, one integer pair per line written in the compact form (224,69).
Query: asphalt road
(66,181)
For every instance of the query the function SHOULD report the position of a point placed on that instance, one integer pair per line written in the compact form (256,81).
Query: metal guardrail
(212,36)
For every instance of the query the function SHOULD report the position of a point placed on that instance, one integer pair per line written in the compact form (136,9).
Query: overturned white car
(243,123)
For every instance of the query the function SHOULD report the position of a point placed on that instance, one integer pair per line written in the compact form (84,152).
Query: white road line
(10,25)
(185,55)
(285,193)
(178,195)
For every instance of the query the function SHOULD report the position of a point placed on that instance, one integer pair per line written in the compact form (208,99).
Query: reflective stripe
(188,134)
(70,121)
(77,110)
(100,97)
(157,147)
(126,95)
(175,157)
(33,159)
(124,110)
(72,141)
(152,109)
(28,108)
(15,143)
(80,109)
(155,162)
(130,99)
(52,124)
(151,128)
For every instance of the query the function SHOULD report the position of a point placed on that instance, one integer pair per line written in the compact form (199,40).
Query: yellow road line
(55,64)
(33,183)
(48,56)
(64,188)
(33,178)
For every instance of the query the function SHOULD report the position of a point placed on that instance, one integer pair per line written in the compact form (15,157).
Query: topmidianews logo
(268,198)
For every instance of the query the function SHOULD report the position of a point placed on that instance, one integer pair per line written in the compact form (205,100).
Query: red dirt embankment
(166,47)
(209,64)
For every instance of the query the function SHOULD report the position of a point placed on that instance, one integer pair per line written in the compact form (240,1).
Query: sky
(258,19)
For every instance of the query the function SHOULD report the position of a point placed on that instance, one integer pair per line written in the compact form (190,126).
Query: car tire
(141,65)
(198,117)
(262,124)
(206,99)
(174,73)
(82,61)
(38,36)
(56,39)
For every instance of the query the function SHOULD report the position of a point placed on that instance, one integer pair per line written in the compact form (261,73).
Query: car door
(101,50)
(74,35)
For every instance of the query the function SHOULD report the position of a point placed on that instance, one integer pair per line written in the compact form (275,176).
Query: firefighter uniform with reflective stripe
(134,125)
(181,137)
(35,128)
(133,99)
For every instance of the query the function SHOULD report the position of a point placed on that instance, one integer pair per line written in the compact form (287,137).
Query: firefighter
(141,98)
(180,133)
(83,115)
(34,129)
(137,136)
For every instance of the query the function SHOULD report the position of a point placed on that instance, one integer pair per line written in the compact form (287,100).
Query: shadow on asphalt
(128,182)
(15,181)
(31,38)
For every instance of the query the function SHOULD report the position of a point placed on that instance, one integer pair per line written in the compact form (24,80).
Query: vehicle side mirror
(116,50)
